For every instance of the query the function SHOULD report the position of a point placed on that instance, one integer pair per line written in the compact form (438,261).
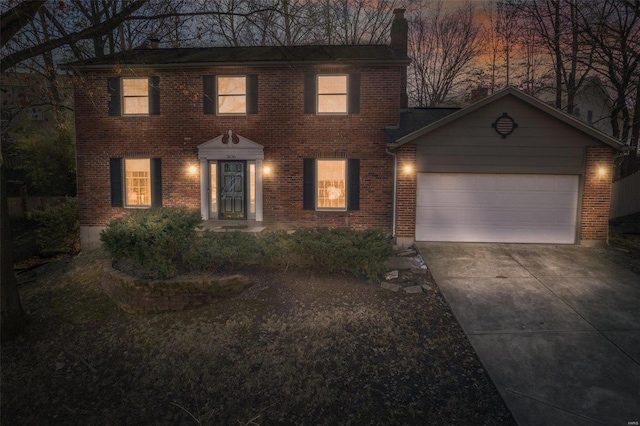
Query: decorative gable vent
(504,125)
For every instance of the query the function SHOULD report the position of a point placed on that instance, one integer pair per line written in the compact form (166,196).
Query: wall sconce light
(266,170)
(602,172)
(193,170)
(407,169)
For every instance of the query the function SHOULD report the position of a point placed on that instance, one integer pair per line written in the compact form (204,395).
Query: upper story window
(135,96)
(232,94)
(332,94)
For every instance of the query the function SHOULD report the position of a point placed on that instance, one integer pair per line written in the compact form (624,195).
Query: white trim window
(331,184)
(332,94)
(135,96)
(232,95)
(137,188)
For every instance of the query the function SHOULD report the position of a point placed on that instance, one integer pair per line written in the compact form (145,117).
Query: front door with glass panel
(232,190)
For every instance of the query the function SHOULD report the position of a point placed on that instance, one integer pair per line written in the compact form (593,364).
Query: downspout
(395,191)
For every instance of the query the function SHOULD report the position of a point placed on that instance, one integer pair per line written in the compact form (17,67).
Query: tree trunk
(13,319)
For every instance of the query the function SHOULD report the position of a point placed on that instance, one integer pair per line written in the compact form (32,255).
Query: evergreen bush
(57,229)
(158,242)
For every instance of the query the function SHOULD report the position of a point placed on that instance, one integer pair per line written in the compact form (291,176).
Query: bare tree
(614,29)
(442,43)
(558,28)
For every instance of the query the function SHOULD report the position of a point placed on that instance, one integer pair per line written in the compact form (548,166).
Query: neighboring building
(284,136)
(508,168)
(592,105)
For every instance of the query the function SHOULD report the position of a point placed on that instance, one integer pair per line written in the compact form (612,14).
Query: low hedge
(161,243)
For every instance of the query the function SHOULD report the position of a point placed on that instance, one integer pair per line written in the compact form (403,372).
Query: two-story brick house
(286,136)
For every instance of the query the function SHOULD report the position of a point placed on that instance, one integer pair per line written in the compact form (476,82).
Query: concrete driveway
(556,327)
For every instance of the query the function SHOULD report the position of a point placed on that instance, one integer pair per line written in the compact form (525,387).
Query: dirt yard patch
(298,347)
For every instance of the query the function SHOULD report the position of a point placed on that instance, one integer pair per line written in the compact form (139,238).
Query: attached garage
(508,169)
(504,208)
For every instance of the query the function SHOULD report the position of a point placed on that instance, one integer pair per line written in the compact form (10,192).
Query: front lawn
(298,347)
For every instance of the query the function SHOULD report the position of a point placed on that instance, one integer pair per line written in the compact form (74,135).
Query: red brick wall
(287,134)
(596,197)
(406,196)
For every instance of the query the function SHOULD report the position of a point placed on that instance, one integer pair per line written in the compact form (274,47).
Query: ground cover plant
(299,347)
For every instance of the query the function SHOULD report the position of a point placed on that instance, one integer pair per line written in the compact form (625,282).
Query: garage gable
(541,141)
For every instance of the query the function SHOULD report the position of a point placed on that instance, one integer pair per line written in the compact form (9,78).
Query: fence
(20,206)
(625,196)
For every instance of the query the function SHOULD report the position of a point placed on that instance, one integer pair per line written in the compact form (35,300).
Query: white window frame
(218,95)
(123,96)
(345,189)
(346,95)
(125,186)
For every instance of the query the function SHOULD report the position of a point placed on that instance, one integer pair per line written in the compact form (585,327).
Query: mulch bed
(298,347)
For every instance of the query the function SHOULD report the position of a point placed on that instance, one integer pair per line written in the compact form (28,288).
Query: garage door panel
(496,208)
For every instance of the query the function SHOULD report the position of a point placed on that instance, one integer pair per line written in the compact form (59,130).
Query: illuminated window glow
(332,94)
(135,96)
(332,179)
(138,182)
(232,95)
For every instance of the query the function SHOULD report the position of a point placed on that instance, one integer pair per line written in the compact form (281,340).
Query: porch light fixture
(602,172)
(266,170)
(407,169)
(193,169)
(504,125)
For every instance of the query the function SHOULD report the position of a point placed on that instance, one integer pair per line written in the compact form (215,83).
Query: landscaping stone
(391,275)
(390,286)
(413,289)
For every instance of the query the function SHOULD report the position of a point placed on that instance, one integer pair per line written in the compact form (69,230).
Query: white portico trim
(229,147)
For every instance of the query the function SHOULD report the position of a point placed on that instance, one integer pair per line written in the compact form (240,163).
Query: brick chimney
(399,42)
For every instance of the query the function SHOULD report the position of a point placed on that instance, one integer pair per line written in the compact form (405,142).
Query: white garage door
(496,208)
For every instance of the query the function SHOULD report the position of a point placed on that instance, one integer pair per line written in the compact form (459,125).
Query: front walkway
(233,225)
(556,327)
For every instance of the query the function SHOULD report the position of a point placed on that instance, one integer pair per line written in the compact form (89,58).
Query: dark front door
(232,190)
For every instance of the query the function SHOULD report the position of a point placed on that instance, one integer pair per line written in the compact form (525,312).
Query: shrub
(159,242)
(57,229)
(216,251)
(361,253)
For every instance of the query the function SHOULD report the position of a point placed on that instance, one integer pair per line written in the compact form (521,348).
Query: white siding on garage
(505,208)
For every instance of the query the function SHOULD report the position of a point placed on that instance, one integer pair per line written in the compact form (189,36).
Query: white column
(258,190)
(204,189)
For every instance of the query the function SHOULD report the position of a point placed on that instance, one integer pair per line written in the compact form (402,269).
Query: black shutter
(310,92)
(113,89)
(208,94)
(252,94)
(154,95)
(309,184)
(353,184)
(156,182)
(354,93)
(115,169)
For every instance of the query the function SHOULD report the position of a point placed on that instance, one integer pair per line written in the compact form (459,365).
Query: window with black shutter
(331,184)
(133,95)
(136,182)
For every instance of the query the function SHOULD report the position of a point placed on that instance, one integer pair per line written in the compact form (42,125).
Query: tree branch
(15,18)
(17,57)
